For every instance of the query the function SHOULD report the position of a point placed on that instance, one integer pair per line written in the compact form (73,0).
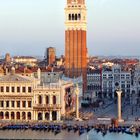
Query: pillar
(50,115)
(119,92)
(77,101)
(43,117)
(9,115)
(44,100)
(58,116)
(36,99)
(26,116)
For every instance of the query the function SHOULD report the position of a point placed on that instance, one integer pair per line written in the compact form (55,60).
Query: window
(54,100)
(18,103)
(18,89)
(29,89)
(72,16)
(24,89)
(47,99)
(69,16)
(13,104)
(2,89)
(79,16)
(7,89)
(23,103)
(7,103)
(40,99)
(1,104)
(13,89)
(29,104)
(128,85)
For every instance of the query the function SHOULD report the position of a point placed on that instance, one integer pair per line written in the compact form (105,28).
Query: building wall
(30,101)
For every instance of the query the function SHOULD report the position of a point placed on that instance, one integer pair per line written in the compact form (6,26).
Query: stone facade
(23,98)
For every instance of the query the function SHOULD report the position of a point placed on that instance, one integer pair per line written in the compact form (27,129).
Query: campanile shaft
(75,38)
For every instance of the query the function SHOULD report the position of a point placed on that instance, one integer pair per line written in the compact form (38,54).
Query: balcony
(47,107)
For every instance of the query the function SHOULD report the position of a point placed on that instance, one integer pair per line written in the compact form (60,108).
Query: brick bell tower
(75,39)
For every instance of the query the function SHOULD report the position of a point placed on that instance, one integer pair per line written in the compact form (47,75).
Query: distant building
(136,84)
(50,55)
(94,82)
(26,60)
(113,78)
(7,58)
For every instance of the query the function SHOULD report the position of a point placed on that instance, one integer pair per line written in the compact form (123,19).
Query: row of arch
(74,16)
(47,116)
(15,115)
(47,99)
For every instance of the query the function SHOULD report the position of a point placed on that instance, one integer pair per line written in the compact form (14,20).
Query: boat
(81,130)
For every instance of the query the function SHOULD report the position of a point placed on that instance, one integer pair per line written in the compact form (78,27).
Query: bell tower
(75,39)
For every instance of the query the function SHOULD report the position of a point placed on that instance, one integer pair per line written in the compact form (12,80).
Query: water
(64,135)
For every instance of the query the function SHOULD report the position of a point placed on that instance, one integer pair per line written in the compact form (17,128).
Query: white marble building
(23,98)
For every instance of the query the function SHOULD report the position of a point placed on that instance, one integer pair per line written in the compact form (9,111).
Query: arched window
(18,115)
(39,116)
(12,115)
(79,16)
(54,115)
(29,116)
(72,16)
(75,16)
(1,115)
(54,100)
(7,115)
(47,100)
(47,116)
(69,16)
(40,99)
(23,115)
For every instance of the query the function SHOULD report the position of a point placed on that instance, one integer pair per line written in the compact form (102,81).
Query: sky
(28,27)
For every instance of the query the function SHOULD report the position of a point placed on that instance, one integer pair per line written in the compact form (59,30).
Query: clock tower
(75,39)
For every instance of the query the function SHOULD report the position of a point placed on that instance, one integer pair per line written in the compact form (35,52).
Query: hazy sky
(27,27)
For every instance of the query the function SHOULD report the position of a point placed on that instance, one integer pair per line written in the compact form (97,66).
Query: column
(50,115)
(58,115)
(26,115)
(26,103)
(57,99)
(44,99)
(119,92)
(36,115)
(4,115)
(4,104)
(20,103)
(15,104)
(9,115)
(36,99)
(43,117)
(77,101)
(77,106)
(50,99)
(20,115)
(10,104)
